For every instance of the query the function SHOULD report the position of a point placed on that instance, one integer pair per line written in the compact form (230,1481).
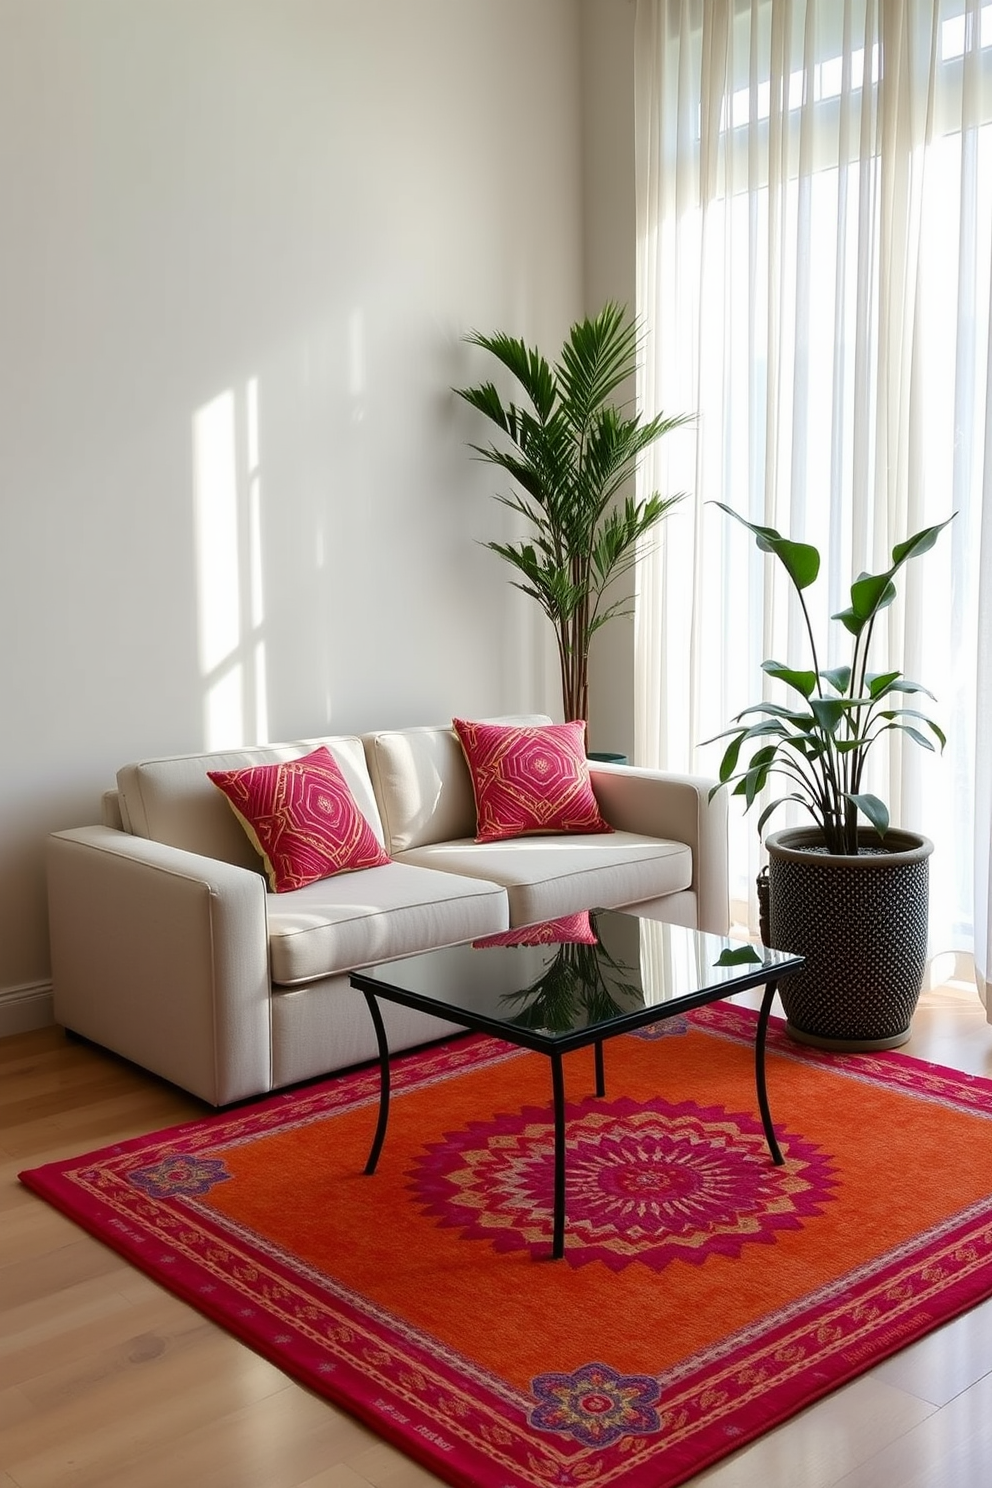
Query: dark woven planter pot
(861,923)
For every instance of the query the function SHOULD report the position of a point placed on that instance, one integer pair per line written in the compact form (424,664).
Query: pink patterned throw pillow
(529,780)
(574,929)
(302,818)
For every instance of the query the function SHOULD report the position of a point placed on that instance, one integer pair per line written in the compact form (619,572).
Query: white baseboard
(26,1007)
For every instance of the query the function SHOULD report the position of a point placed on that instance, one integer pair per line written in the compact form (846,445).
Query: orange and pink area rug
(704,1296)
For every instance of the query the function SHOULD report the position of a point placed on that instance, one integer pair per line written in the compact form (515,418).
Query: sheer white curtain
(814,186)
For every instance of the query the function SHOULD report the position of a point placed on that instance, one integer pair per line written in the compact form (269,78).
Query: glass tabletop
(566,992)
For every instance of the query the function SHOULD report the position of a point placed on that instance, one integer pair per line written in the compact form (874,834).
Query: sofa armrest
(657,804)
(162,956)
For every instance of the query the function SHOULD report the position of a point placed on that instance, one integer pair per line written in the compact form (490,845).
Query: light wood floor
(109,1382)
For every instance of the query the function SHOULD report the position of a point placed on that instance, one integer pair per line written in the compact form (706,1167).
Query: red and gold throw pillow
(574,929)
(302,818)
(529,780)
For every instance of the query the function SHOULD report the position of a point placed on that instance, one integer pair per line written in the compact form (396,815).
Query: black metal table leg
(380,1038)
(558,1089)
(600,1071)
(759,1074)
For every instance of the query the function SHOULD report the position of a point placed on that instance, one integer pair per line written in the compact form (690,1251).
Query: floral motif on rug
(180,1174)
(595,1405)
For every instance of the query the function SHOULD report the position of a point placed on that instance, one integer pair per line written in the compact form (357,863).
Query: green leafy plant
(820,745)
(570,453)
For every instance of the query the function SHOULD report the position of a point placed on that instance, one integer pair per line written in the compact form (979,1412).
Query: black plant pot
(861,923)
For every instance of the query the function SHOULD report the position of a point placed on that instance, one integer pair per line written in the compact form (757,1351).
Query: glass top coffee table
(563,995)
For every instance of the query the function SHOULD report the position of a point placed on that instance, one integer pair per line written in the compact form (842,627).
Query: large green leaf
(801,560)
(912,713)
(920,542)
(839,678)
(914,733)
(903,685)
(850,621)
(803,721)
(879,683)
(730,757)
(753,782)
(811,746)
(828,712)
(875,810)
(770,810)
(771,728)
(803,682)
(871,593)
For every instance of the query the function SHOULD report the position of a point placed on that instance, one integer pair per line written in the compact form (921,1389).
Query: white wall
(241,242)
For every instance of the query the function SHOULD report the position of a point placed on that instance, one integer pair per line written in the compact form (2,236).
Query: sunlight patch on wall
(216,497)
(230,599)
(256,606)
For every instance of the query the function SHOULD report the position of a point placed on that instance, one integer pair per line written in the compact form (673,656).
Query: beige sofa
(169,948)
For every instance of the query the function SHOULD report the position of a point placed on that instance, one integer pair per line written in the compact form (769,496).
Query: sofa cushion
(422,783)
(338,924)
(529,779)
(172,800)
(546,877)
(301,818)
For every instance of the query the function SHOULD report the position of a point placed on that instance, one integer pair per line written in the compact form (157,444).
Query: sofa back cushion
(174,801)
(422,783)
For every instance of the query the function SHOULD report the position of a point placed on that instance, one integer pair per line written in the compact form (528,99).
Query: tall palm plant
(571,453)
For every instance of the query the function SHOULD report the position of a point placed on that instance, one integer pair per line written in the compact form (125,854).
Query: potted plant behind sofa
(571,452)
(850,893)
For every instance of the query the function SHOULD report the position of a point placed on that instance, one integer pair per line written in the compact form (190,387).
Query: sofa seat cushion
(546,877)
(376,914)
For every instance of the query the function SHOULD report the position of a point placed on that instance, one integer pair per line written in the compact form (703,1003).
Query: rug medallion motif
(646,1182)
